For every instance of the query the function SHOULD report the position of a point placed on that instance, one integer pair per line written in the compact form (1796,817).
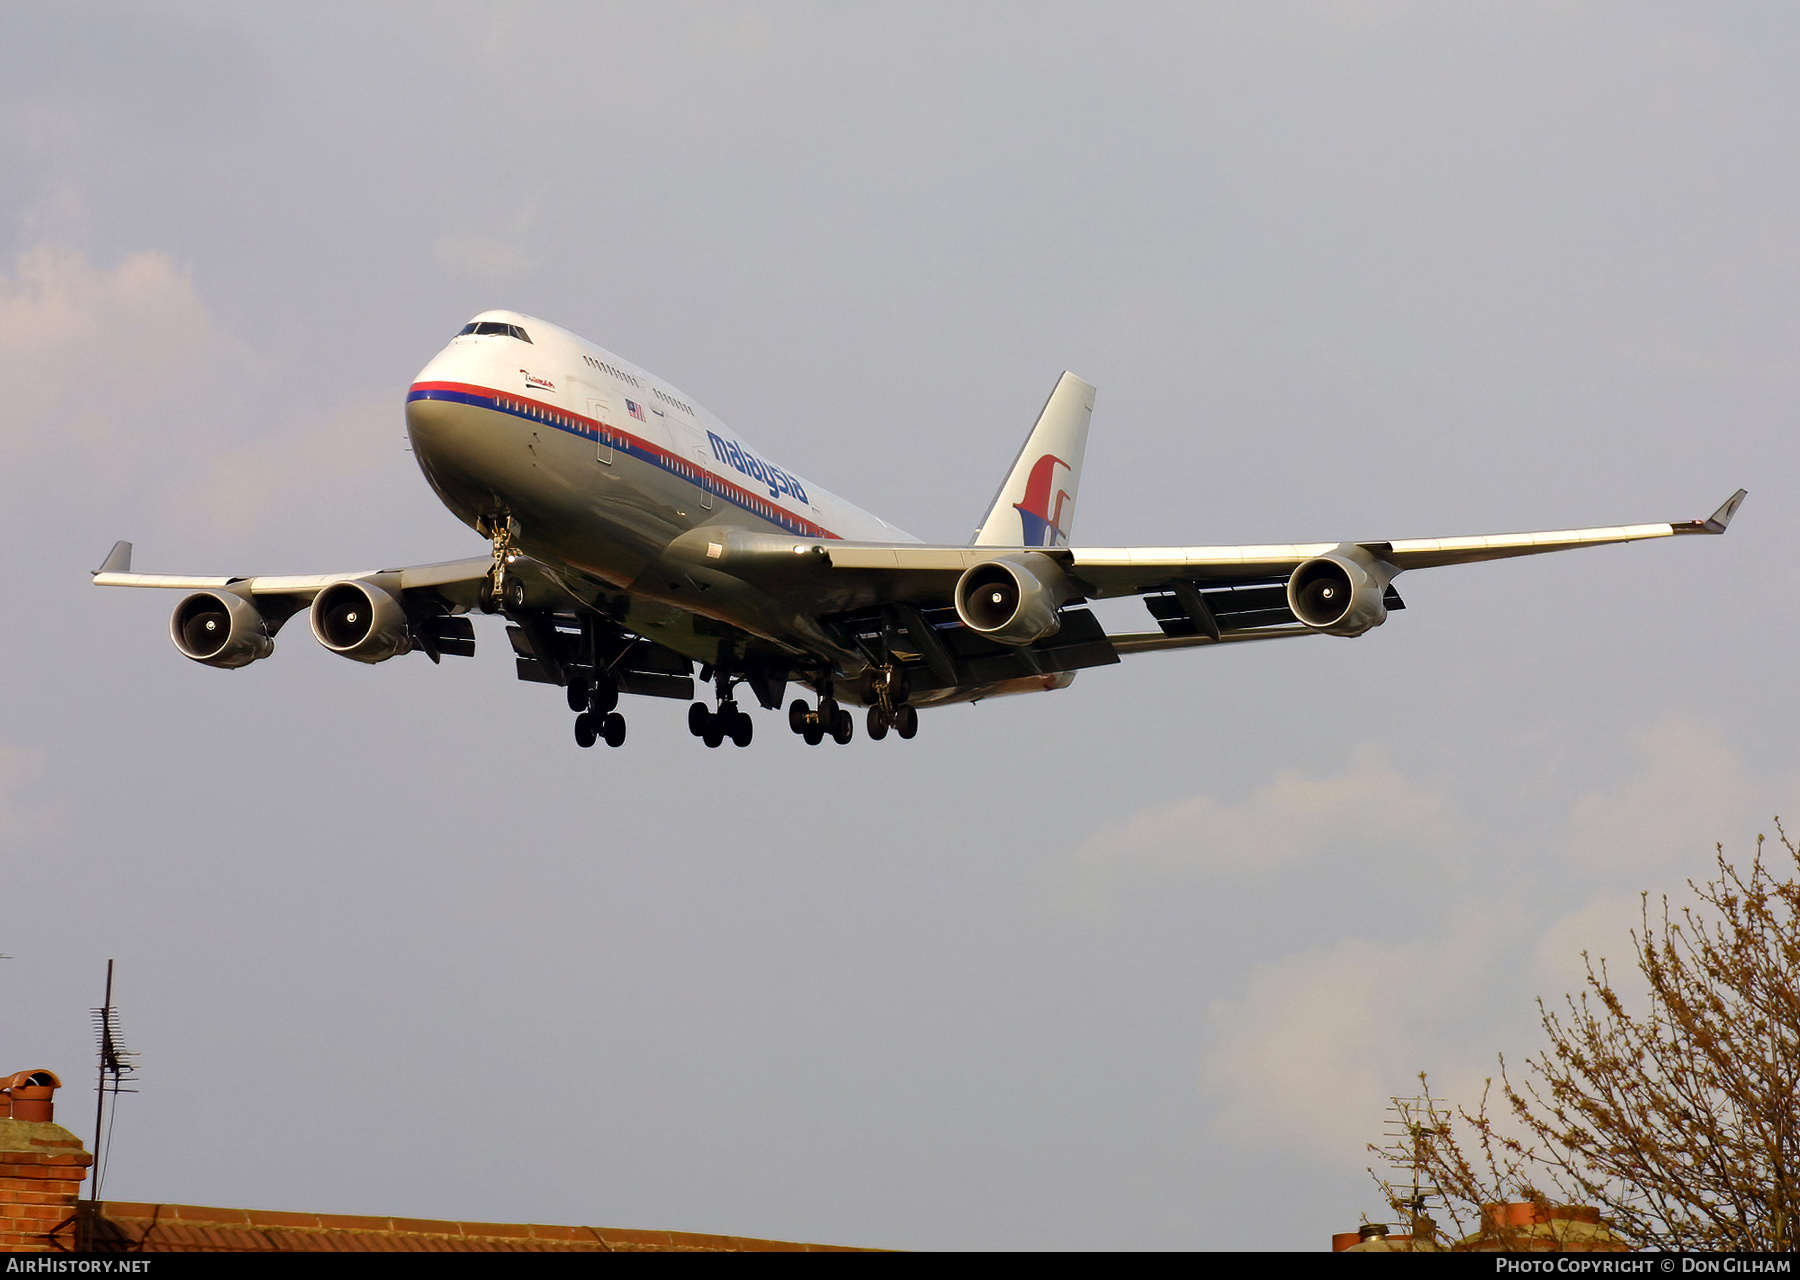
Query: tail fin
(1036,505)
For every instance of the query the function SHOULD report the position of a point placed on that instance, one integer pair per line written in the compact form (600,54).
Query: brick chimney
(41,1164)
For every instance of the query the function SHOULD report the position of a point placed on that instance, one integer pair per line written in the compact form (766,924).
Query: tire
(605,696)
(699,719)
(584,730)
(614,730)
(828,709)
(797,712)
(515,595)
(743,728)
(813,735)
(878,725)
(844,729)
(906,721)
(578,694)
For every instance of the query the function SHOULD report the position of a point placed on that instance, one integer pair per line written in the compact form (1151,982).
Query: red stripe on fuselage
(590,428)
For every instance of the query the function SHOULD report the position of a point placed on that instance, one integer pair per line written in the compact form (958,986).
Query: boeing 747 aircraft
(637,537)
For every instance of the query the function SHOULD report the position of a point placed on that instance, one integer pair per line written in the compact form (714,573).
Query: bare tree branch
(1681,1123)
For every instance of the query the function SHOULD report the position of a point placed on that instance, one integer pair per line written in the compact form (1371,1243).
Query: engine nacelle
(221,629)
(1340,594)
(359,620)
(1013,599)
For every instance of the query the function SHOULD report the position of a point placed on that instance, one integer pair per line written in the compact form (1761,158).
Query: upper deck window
(486,328)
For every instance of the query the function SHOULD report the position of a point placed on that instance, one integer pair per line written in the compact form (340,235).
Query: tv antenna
(115,1064)
(1413,1126)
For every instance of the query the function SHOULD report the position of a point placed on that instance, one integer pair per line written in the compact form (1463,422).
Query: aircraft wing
(1116,571)
(1196,595)
(1132,570)
(457,583)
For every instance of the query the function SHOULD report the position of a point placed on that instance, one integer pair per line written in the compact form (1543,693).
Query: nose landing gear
(504,591)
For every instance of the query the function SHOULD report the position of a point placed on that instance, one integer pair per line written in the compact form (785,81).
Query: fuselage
(603,466)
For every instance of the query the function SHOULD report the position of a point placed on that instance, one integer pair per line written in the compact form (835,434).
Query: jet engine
(1340,594)
(359,620)
(1013,599)
(221,629)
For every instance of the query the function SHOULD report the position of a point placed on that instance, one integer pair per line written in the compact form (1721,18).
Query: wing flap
(1154,641)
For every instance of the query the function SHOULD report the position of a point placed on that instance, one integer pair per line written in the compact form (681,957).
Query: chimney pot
(30,1095)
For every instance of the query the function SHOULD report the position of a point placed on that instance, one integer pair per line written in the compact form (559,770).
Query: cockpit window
(486,328)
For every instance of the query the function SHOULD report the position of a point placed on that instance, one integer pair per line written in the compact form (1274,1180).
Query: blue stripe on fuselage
(626,443)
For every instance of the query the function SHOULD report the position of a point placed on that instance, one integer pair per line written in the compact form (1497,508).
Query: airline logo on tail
(1043,522)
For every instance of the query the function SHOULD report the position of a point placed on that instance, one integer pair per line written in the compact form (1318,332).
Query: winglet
(1717,522)
(118,560)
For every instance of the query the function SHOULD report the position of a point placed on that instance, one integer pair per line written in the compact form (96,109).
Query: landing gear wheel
(828,710)
(797,713)
(585,730)
(844,727)
(906,721)
(604,697)
(613,730)
(878,725)
(515,594)
(578,694)
(813,734)
(699,719)
(742,729)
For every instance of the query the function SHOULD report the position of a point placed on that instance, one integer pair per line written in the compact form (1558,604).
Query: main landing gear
(714,727)
(884,689)
(595,718)
(828,720)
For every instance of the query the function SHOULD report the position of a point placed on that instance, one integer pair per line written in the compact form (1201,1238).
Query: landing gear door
(601,412)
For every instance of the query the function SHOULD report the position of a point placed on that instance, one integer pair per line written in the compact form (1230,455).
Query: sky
(1136,964)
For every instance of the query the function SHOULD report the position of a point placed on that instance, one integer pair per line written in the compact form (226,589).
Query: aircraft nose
(425,420)
(440,429)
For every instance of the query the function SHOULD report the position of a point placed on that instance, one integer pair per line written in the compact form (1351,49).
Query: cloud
(69,328)
(233,495)
(103,369)
(481,256)
(1291,819)
(1603,929)
(87,351)
(1322,1039)
(23,821)
(1690,794)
